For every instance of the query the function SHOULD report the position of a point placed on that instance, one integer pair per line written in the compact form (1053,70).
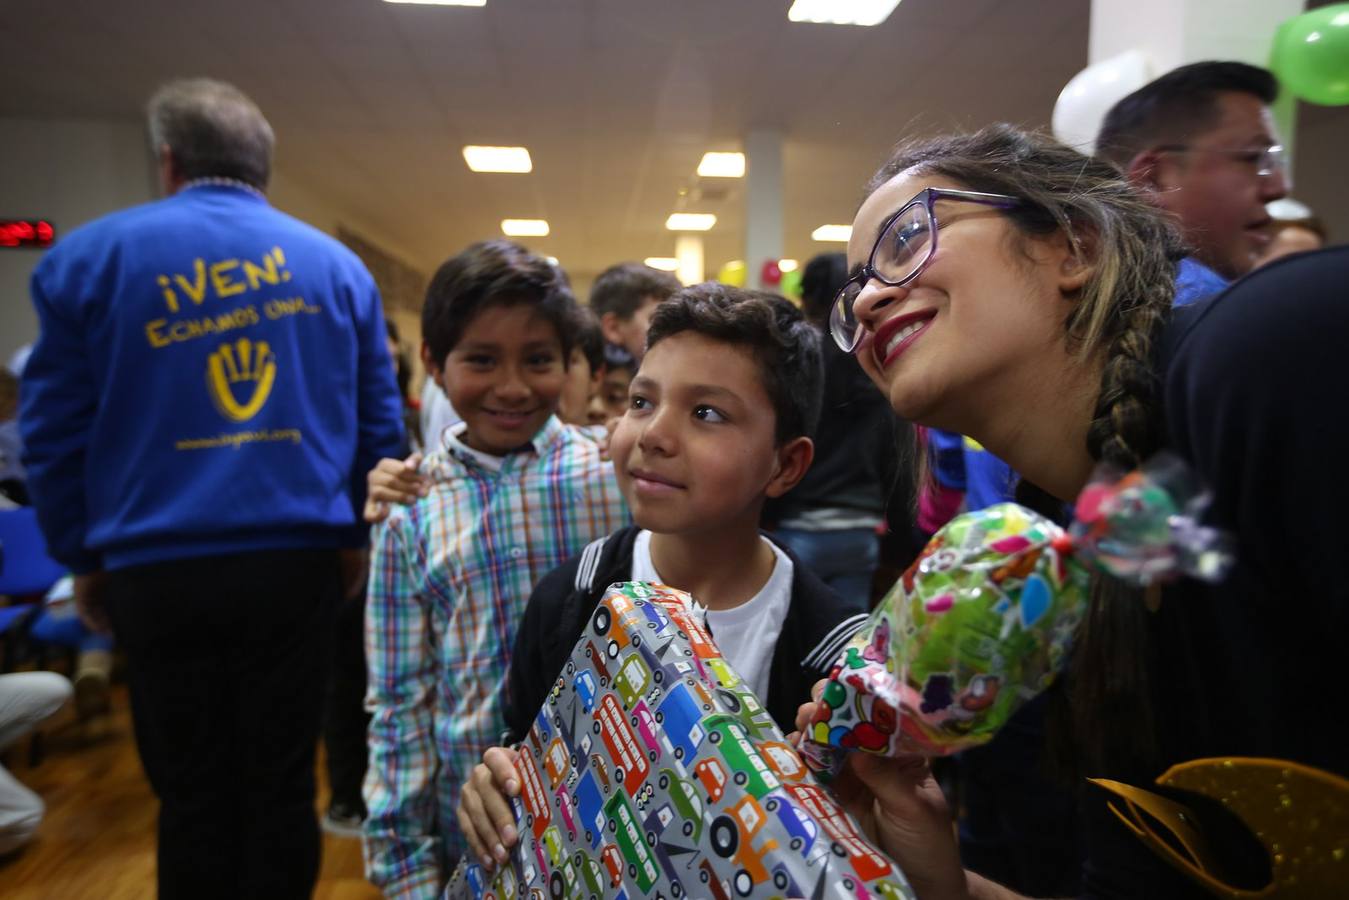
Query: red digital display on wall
(26,233)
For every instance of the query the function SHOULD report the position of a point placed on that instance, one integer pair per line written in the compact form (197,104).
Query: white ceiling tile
(616,99)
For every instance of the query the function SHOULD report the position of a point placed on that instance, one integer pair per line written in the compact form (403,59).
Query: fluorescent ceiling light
(842,12)
(839,233)
(690,221)
(524,227)
(664,263)
(788,265)
(498,159)
(1287,208)
(442,2)
(722,165)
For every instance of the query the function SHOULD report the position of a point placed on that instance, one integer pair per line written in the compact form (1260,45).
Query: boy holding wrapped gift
(718,422)
(510,495)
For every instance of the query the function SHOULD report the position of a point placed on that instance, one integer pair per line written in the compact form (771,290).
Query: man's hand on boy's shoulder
(600,434)
(484,811)
(393,481)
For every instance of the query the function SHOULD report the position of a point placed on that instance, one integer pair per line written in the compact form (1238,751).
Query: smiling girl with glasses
(1040,324)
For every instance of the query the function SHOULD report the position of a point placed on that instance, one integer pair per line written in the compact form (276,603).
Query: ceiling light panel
(842,12)
(838,233)
(716,164)
(690,221)
(524,227)
(498,159)
(664,263)
(441,2)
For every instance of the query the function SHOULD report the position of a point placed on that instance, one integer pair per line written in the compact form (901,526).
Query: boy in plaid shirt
(511,494)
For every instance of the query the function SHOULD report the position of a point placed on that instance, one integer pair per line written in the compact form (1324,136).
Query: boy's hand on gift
(393,481)
(484,811)
(901,808)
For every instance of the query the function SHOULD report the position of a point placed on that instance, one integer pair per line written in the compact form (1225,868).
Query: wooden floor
(98,838)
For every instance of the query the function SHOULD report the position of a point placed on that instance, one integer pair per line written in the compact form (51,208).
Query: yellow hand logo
(241,362)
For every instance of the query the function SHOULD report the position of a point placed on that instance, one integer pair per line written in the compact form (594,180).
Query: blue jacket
(1195,281)
(211,377)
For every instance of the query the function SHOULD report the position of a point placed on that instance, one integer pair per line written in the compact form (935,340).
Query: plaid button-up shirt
(450,577)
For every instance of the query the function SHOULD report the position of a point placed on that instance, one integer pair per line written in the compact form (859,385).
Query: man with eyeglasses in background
(1201,142)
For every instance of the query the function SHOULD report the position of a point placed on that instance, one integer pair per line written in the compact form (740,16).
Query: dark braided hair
(1118,316)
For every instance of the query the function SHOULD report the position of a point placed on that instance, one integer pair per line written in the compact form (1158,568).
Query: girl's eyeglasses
(903,248)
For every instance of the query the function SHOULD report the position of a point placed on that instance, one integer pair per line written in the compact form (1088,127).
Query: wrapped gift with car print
(653,771)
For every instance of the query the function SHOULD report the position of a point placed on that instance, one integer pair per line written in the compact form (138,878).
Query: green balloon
(1311,55)
(791,284)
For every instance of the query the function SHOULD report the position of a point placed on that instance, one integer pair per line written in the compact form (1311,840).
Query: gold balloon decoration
(1299,814)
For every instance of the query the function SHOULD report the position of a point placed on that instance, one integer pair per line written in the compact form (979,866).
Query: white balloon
(1086,99)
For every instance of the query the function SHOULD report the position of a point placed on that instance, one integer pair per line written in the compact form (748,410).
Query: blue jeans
(845,560)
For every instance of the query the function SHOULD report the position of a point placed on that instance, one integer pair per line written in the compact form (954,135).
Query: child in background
(580,404)
(511,495)
(619,369)
(857,485)
(719,421)
(624,297)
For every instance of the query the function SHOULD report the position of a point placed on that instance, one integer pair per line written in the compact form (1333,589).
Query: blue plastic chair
(25,566)
(26,569)
(26,572)
(12,616)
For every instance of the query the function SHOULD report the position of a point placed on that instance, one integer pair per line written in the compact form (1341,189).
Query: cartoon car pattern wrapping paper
(653,771)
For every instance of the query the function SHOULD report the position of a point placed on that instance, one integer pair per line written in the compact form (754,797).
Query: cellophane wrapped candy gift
(978,624)
(984,619)
(653,771)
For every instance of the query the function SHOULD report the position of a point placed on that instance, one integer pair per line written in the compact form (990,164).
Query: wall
(402,288)
(70,171)
(303,204)
(1319,170)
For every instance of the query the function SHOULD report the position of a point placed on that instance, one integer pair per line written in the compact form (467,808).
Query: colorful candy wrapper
(984,619)
(1143,526)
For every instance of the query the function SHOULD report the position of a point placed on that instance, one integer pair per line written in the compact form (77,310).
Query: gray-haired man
(210,384)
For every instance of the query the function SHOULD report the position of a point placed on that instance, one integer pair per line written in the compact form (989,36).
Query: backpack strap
(589,565)
(829,647)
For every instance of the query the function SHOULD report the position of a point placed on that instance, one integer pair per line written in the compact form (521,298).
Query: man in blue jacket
(1200,143)
(209,386)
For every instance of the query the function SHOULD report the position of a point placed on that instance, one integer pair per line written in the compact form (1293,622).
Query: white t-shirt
(454,440)
(437,415)
(748,634)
